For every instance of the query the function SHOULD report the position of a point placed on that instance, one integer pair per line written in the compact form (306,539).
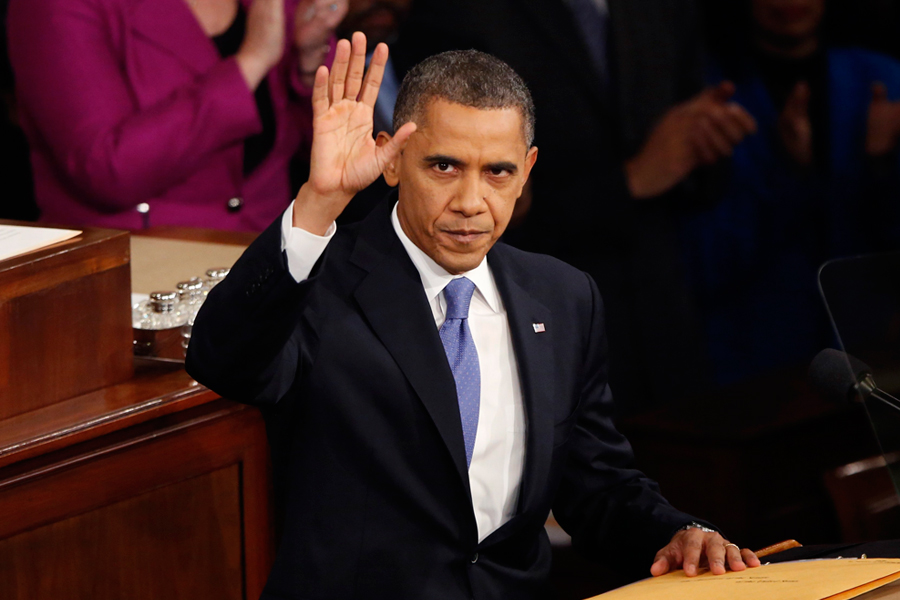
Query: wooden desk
(152,488)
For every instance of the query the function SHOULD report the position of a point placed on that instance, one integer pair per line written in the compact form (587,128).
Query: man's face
(459,176)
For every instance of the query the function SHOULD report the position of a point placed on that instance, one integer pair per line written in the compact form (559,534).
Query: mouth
(464,237)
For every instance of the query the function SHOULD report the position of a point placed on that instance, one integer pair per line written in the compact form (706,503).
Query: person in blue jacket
(819,180)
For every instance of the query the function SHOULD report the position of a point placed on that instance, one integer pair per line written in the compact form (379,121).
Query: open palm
(345,158)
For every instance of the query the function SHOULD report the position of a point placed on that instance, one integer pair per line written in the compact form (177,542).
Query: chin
(456,265)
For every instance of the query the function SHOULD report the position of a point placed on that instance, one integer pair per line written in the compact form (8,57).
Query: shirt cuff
(301,247)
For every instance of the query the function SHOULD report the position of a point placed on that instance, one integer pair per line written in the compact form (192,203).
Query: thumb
(879,92)
(720,92)
(392,149)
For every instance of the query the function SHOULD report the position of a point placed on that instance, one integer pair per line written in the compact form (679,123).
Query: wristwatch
(696,525)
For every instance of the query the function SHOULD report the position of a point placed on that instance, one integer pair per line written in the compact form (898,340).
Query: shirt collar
(435,278)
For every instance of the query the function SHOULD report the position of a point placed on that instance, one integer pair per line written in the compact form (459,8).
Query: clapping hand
(795,127)
(699,131)
(883,127)
(345,158)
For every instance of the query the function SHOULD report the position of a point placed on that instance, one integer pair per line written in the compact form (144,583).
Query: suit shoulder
(542,270)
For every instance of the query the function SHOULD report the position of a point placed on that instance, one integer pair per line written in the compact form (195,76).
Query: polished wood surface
(191,529)
(237,238)
(151,488)
(65,320)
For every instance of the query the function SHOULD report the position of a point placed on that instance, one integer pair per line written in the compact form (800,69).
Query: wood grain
(65,321)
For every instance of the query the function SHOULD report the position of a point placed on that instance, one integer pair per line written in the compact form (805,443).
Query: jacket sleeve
(69,58)
(249,338)
(612,511)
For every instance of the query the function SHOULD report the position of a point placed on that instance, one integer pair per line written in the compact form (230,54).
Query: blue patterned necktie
(463,357)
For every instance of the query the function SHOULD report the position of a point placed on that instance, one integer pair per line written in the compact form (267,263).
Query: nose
(472,197)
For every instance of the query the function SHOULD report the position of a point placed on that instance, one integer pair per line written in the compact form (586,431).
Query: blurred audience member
(820,180)
(622,124)
(166,112)
(15,176)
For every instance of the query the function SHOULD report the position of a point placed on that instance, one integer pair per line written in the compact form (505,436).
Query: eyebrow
(503,165)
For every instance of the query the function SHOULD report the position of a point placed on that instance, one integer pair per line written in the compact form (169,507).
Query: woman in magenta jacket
(167,112)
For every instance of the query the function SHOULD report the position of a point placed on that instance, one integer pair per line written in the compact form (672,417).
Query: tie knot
(458,295)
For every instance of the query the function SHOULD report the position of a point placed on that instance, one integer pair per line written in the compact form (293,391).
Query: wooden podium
(65,320)
(119,477)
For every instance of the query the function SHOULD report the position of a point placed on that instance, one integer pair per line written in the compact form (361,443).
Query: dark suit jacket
(582,212)
(378,502)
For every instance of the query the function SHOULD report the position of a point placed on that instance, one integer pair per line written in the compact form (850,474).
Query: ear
(391,170)
(530,159)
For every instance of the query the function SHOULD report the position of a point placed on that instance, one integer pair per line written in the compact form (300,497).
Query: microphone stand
(866,388)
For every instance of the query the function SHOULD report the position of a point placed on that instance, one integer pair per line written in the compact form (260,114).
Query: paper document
(830,579)
(16,240)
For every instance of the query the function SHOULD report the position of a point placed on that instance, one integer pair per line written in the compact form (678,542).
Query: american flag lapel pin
(539,327)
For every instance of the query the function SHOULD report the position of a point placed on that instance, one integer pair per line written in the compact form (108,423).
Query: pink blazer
(127,101)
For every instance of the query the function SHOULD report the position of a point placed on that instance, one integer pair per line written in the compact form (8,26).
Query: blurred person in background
(170,112)
(15,177)
(627,130)
(820,180)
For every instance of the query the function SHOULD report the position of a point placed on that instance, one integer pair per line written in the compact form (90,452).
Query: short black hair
(466,77)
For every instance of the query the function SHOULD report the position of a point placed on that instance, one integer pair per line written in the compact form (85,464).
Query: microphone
(840,377)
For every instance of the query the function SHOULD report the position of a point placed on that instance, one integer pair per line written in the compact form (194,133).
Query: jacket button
(474,558)
(234,204)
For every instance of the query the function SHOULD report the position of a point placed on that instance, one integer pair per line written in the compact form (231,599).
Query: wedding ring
(736,547)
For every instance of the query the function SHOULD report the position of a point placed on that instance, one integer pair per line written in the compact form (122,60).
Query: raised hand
(263,42)
(344,158)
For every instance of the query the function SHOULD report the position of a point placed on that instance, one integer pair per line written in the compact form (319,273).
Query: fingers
(714,132)
(666,559)
(660,566)
(693,550)
(797,104)
(749,557)
(320,101)
(716,555)
(339,70)
(392,149)
(719,93)
(735,557)
(356,66)
(374,76)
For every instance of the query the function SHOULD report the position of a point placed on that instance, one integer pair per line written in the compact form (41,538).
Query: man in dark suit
(628,140)
(441,392)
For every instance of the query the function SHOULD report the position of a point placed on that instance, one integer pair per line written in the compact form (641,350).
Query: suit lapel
(170,25)
(393,302)
(535,358)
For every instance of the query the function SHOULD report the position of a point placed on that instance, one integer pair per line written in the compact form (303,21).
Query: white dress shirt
(495,473)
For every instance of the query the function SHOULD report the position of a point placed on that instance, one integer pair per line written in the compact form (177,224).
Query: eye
(443,167)
(500,172)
